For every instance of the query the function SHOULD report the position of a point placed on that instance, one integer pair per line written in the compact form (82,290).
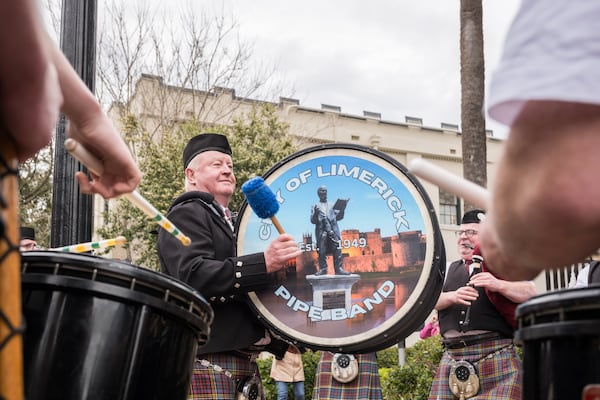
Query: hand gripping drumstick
(89,246)
(262,200)
(94,165)
(468,190)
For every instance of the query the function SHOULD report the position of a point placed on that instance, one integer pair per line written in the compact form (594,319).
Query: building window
(449,208)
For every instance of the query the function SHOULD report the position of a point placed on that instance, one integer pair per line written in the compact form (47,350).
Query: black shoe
(321,272)
(341,271)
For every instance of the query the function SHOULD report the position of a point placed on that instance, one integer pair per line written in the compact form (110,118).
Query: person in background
(431,328)
(347,377)
(584,277)
(289,371)
(227,362)
(27,242)
(544,210)
(36,83)
(476,318)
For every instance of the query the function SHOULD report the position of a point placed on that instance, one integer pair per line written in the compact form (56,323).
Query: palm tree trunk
(472,79)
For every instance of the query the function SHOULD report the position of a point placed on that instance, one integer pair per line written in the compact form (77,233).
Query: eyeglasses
(468,232)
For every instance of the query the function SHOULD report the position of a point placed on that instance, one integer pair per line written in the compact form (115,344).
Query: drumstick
(94,165)
(89,246)
(468,190)
(262,200)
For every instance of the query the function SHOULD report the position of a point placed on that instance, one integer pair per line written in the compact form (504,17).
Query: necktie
(468,265)
(228,217)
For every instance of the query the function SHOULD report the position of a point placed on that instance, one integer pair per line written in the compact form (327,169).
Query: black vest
(483,314)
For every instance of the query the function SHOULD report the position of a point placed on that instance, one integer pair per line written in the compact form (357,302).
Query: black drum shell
(391,329)
(103,329)
(560,336)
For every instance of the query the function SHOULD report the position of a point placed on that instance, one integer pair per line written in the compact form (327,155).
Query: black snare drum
(560,334)
(381,271)
(107,330)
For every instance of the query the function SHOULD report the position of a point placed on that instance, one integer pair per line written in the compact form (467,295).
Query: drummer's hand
(465,295)
(280,251)
(121,174)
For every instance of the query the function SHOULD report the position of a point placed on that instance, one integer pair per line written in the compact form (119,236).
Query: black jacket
(209,265)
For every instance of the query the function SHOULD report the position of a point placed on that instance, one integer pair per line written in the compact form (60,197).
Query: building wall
(402,140)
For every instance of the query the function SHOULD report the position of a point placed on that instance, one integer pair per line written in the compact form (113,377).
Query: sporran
(344,367)
(463,379)
(249,388)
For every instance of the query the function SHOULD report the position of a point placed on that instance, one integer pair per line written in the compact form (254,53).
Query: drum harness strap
(463,379)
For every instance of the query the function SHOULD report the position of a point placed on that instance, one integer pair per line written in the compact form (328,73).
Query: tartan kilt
(366,386)
(500,377)
(208,384)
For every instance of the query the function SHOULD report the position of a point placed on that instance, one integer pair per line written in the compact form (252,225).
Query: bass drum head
(383,270)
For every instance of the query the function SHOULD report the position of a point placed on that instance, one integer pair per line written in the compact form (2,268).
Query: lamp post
(72,211)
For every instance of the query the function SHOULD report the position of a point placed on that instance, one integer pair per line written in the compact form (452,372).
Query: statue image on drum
(324,216)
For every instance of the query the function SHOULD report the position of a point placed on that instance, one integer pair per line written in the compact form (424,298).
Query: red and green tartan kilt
(208,384)
(500,377)
(366,386)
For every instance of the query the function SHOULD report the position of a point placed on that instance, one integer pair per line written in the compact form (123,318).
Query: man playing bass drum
(476,317)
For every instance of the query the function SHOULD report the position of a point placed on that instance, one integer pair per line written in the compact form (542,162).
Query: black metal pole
(72,212)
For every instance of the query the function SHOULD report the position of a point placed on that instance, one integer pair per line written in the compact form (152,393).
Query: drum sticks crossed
(94,165)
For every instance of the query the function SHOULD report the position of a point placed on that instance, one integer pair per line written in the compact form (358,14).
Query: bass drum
(101,329)
(382,270)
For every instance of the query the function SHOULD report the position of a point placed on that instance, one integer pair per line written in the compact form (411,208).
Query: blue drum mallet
(262,200)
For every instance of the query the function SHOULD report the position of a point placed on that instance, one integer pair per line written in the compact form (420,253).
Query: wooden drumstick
(94,165)
(468,190)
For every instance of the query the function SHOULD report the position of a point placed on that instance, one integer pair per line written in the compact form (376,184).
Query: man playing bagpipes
(476,317)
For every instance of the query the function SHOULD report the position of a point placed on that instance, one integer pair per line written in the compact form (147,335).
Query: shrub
(413,380)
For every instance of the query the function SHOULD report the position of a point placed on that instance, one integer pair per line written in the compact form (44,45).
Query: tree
(194,52)
(258,140)
(35,193)
(474,149)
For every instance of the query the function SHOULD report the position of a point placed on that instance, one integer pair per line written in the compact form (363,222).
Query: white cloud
(394,57)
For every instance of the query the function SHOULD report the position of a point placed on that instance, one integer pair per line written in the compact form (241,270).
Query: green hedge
(412,381)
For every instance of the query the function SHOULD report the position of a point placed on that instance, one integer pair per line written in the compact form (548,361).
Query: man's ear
(189,175)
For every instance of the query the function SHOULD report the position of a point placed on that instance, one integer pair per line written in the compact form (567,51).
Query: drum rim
(142,281)
(559,300)
(413,317)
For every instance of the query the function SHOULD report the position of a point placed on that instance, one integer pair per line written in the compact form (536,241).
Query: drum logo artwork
(369,245)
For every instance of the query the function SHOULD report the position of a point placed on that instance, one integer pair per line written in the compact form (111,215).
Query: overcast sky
(396,57)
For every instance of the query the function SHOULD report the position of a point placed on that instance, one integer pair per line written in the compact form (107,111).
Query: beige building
(402,140)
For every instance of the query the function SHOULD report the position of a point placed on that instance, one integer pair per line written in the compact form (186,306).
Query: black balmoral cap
(473,217)
(27,233)
(205,142)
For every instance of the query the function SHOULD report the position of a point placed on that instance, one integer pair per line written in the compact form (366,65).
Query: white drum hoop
(390,242)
